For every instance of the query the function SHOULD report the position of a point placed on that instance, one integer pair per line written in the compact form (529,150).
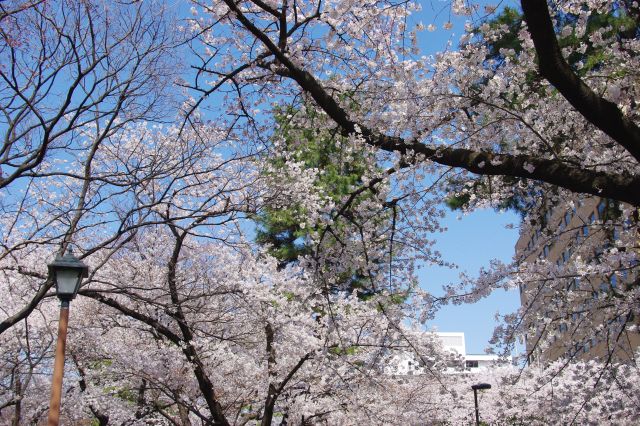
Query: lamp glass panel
(66,280)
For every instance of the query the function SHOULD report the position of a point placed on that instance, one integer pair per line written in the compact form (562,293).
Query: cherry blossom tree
(134,180)
(73,75)
(182,321)
(185,320)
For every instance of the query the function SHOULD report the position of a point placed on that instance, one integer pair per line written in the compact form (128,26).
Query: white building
(455,342)
(407,364)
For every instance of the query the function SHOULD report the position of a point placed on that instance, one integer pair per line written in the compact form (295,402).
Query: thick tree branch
(272,393)
(600,112)
(204,382)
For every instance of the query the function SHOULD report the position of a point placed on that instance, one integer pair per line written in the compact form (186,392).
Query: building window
(471,364)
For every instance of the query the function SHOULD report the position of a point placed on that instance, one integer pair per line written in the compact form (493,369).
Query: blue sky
(471,242)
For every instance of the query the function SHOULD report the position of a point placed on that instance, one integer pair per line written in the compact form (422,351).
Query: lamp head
(481,386)
(67,273)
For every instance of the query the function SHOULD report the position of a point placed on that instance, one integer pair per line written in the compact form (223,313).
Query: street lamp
(476,388)
(67,273)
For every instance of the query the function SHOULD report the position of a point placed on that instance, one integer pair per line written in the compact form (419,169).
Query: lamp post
(67,273)
(476,388)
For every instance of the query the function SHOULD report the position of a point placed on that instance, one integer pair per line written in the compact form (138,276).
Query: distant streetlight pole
(476,388)
(67,273)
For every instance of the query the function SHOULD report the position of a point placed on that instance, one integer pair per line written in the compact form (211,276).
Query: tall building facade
(576,299)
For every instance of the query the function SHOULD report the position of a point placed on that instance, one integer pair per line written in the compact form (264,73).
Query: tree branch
(151,322)
(619,187)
